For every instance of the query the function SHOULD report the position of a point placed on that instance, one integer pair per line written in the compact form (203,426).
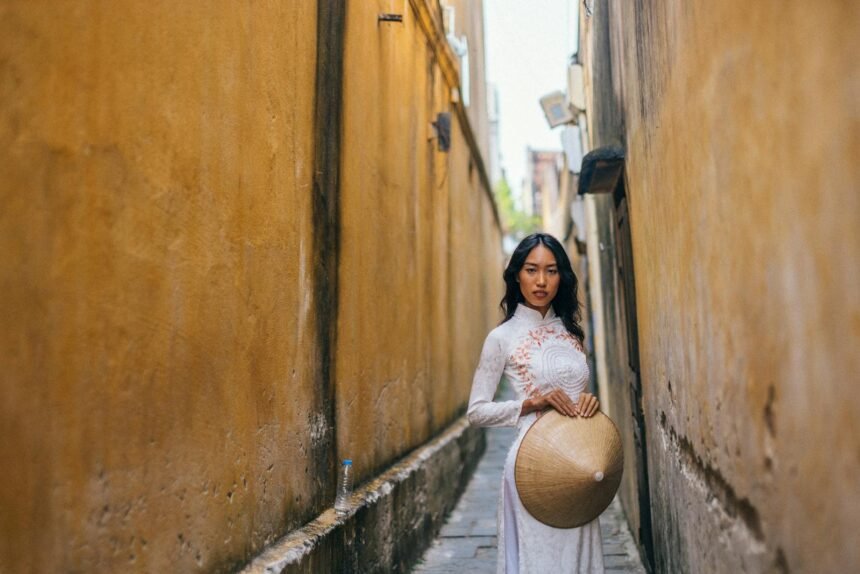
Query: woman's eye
(553,271)
(530,271)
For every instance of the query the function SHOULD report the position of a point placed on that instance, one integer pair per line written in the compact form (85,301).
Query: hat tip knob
(598,476)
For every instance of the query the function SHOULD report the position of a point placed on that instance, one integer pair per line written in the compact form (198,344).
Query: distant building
(540,188)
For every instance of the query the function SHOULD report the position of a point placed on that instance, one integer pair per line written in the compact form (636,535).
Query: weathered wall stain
(710,482)
(745,232)
(325,207)
(186,251)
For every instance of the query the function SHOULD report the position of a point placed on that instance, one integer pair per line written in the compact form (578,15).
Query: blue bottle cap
(347,461)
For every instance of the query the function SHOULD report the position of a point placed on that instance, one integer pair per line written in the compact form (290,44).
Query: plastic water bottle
(344,488)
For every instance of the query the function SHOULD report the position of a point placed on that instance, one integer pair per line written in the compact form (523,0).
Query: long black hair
(566,302)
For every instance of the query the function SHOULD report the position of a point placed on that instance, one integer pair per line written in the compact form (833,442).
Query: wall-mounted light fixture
(556,109)
(601,169)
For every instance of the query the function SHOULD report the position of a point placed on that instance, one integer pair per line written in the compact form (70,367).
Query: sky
(528,45)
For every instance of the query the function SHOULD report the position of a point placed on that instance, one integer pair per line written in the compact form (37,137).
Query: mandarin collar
(532,316)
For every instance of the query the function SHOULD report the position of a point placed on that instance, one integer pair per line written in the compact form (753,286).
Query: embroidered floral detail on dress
(576,343)
(556,365)
(521,359)
(541,335)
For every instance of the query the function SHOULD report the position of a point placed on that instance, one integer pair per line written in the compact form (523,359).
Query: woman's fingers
(592,405)
(582,404)
(562,403)
(554,403)
(585,406)
(569,404)
(573,407)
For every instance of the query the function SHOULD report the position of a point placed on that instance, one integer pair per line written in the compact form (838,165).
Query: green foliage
(517,223)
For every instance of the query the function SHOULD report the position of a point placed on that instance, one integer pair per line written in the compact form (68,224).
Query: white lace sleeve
(482,410)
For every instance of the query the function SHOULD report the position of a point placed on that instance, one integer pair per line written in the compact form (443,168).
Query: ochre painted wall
(159,407)
(417,231)
(741,134)
(154,178)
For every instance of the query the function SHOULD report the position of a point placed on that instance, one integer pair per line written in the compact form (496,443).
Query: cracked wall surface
(740,125)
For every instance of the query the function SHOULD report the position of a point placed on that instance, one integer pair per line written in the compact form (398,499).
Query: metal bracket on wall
(390,18)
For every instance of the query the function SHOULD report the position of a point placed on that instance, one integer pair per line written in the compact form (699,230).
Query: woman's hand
(587,405)
(556,399)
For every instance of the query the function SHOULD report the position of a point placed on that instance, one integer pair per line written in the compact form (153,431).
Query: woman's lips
(539,294)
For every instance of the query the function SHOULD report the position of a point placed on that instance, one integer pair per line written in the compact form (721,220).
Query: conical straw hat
(569,468)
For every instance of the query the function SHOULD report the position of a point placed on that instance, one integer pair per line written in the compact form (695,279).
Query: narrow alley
(265,264)
(467,542)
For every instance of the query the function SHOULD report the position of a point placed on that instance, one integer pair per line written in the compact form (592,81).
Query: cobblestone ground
(467,541)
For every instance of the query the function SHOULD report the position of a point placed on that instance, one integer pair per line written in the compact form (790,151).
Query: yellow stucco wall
(417,229)
(154,174)
(741,135)
(159,340)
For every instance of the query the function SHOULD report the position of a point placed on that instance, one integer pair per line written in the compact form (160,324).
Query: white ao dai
(535,354)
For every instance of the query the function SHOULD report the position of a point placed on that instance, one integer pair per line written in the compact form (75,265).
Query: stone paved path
(467,542)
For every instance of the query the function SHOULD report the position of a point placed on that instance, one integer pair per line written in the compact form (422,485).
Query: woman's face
(539,279)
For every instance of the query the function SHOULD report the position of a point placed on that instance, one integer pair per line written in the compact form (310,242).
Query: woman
(538,348)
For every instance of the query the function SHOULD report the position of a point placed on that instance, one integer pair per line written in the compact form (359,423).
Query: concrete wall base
(392,519)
